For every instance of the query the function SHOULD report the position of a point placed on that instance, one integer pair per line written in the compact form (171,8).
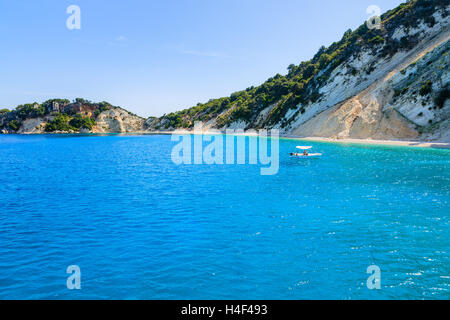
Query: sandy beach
(420,144)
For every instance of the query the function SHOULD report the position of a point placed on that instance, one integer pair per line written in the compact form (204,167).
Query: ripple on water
(141,227)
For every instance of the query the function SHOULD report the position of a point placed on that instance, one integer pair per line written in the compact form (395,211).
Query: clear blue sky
(154,57)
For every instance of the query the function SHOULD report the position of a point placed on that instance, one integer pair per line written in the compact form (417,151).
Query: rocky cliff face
(34,125)
(118,120)
(83,117)
(408,100)
(407,97)
(391,83)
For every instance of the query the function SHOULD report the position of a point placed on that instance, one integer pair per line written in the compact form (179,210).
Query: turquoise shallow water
(141,227)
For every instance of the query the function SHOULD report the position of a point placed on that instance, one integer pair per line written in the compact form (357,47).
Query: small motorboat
(305,153)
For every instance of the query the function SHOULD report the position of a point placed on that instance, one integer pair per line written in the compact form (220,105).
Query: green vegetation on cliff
(14,125)
(59,123)
(30,110)
(79,122)
(301,85)
(63,122)
(60,114)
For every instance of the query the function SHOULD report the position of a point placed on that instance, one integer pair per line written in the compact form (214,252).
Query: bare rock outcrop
(407,100)
(118,120)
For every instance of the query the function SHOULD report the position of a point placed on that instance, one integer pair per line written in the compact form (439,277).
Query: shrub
(82,101)
(376,40)
(15,125)
(430,21)
(80,122)
(59,123)
(442,96)
(426,88)
(29,111)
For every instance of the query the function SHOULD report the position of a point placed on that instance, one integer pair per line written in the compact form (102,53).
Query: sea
(359,222)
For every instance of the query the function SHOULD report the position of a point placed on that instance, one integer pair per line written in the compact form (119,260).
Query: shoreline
(399,143)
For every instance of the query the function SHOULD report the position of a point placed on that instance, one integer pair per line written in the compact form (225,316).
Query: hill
(384,83)
(63,116)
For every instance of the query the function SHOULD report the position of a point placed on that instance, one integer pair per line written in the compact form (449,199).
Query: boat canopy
(304,148)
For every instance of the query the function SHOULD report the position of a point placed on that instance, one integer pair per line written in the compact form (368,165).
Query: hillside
(63,116)
(386,83)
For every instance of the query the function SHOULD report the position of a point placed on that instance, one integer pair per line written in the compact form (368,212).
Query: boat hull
(311,155)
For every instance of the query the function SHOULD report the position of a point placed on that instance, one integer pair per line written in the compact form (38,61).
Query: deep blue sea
(141,227)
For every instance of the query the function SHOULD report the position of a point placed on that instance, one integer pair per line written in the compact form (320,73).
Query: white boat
(305,154)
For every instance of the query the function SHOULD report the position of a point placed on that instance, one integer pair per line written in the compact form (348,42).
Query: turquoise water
(140,227)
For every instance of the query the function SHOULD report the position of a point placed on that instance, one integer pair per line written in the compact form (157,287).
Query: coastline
(399,143)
